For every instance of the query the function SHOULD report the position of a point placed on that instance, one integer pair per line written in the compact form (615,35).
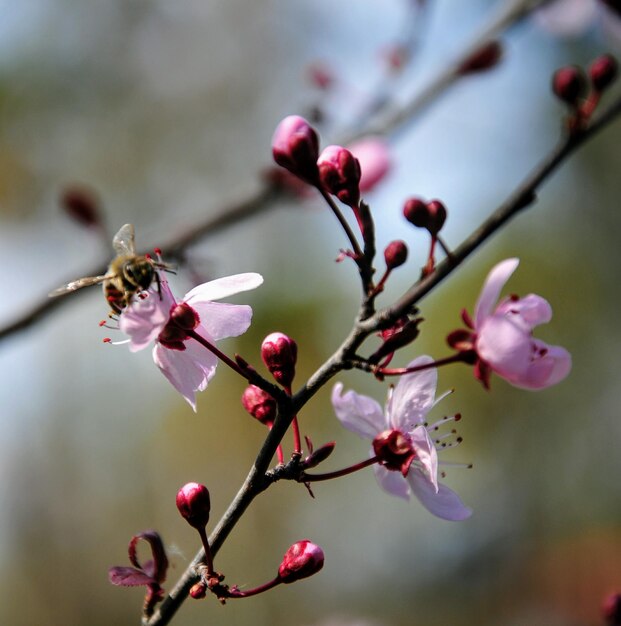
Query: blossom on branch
(156,316)
(501,339)
(402,439)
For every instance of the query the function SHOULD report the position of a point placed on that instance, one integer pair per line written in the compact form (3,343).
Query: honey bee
(128,274)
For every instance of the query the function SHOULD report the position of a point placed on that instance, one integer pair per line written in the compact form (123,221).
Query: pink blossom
(403,428)
(373,154)
(571,18)
(504,335)
(157,317)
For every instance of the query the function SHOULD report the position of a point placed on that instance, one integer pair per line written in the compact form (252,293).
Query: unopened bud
(603,71)
(339,174)
(279,353)
(429,215)
(260,404)
(301,560)
(483,59)
(184,316)
(569,84)
(437,216)
(395,254)
(404,333)
(611,610)
(295,146)
(198,591)
(82,204)
(194,504)
(319,455)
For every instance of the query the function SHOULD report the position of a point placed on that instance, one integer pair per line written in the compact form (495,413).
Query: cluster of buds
(581,92)
(430,216)
(338,171)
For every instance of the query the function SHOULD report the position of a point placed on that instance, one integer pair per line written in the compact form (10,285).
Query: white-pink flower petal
(359,414)
(426,455)
(223,287)
(146,316)
(392,482)
(223,320)
(413,396)
(189,370)
(444,503)
(492,287)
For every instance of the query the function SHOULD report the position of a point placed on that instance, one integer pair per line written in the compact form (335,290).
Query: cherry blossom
(156,316)
(502,336)
(402,439)
(571,18)
(373,154)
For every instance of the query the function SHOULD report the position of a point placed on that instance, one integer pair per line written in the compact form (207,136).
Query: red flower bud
(198,591)
(611,610)
(437,216)
(295,146)
(569,84)
(194,504)
(259,404)
(81,204)
(603,72)
(483,59)
(301,560)
(395,254)
(339,174)
(279,353)
(429,215)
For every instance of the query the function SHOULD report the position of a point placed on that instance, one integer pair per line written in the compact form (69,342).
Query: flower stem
(297,442)
(313,478)
(343,222)
(208,558)
(236,593)
(399,371)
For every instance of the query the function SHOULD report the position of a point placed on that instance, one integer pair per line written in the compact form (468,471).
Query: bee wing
(123,241)
(78,284)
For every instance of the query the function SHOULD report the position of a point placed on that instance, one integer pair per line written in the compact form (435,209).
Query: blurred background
(166,109)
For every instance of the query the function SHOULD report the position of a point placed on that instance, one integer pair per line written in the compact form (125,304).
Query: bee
(128,274)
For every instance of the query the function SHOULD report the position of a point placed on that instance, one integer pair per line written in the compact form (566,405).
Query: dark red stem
(313,478)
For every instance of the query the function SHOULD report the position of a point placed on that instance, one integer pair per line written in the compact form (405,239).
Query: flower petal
(359,414)
(223,287)
(426,455)
(528,312)
(222,320)
(392,482)
(146,316)
(546,370)
(492,287)
(567,18)
(444,503)
(505,346)
(413,396)
(187,370)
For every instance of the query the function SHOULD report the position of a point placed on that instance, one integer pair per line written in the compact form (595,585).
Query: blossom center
(183,318)
(394,450)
